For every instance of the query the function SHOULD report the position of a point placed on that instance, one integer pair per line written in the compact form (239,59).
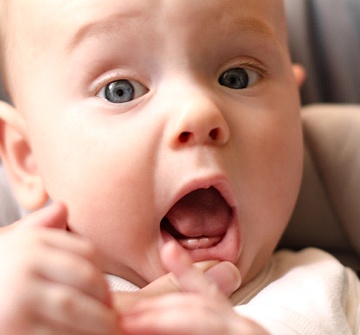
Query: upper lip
(218,182)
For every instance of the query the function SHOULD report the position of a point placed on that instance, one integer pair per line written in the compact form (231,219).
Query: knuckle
(65,302)
(85,272)
(79,311)
(88,250)
(89,275)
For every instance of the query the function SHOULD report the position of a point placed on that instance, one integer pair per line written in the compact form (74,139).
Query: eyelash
(251,65)
(241,76)
(101,85)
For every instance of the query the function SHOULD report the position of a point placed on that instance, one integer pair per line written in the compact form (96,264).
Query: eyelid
(249,64)
(256,67)
(112,76)
(255,70)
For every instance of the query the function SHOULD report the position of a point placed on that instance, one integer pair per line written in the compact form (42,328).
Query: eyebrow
(99,28)
(253,25)
(116,22)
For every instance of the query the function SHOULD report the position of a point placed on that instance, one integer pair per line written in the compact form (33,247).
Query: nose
(197,119)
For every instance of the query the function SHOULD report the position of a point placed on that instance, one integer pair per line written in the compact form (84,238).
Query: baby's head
(154,121)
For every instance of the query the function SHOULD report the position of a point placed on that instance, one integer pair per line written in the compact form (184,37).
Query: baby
(166,133)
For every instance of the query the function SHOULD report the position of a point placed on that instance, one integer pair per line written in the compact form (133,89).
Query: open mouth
(199,220)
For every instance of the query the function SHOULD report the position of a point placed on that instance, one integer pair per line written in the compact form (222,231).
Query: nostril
(184,137)
(214,133)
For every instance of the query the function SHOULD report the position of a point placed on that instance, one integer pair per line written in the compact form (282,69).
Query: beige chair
(324,37)
(327,214)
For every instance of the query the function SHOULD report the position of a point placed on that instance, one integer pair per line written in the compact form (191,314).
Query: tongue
(201,218)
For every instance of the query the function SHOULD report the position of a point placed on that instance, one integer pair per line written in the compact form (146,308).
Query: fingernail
(226,275)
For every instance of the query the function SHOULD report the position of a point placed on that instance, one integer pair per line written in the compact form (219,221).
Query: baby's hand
(50,280)
(198,307)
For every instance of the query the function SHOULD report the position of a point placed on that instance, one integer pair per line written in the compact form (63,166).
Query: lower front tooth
(199,243)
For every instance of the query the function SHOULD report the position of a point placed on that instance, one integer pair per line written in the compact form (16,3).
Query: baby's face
(160,120)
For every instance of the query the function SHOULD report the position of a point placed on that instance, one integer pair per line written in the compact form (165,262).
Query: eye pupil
(119,91)
(236,78)
(232,80)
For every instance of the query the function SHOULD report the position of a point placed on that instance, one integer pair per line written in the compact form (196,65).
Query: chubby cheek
(116,218)
(102,169)
(110,201)
(268,187)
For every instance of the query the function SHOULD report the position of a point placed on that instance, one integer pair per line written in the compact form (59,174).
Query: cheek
(269,152)
(281,167)
(270,168)
(92,168)
(269,187)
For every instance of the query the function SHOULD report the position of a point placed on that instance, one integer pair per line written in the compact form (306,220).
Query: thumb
(219,276)
(208,277)
(51,216)
(225,275)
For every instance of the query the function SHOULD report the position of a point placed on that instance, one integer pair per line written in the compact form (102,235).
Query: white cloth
(307,292)
(120,284)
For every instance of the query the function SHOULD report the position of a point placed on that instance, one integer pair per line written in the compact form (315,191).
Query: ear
(299,74)
(18,159)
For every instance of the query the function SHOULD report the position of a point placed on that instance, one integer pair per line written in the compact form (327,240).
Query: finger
(155,316)
(52,216)
(188,277)
(70,309)
(165,284)
(177,314)
(66,241)
(206,265)
(55,216)
(226,276)
(63,257)
(72,270)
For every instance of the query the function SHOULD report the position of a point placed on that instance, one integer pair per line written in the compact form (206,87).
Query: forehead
(73,15)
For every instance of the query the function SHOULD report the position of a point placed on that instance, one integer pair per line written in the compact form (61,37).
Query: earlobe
(18,159)
(299,74)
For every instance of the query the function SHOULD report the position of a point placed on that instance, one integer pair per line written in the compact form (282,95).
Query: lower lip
(224,248)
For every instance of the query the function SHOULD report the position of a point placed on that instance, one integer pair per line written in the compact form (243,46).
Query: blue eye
(122,91)
(238,78)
